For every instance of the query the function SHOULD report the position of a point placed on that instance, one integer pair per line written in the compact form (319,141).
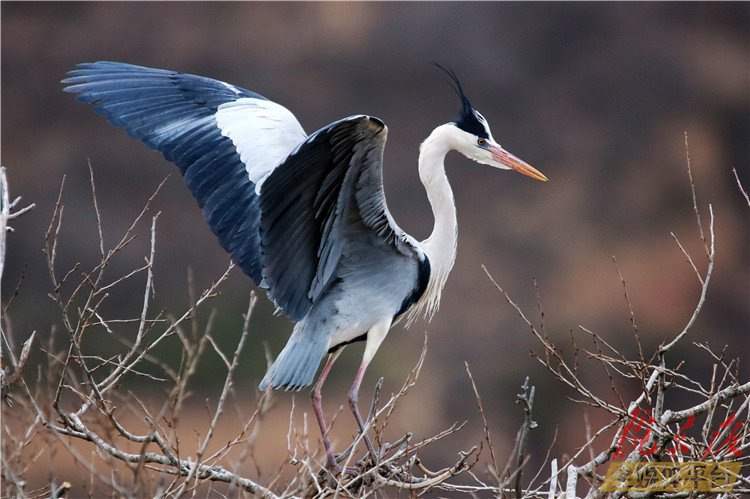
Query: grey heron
(304,216)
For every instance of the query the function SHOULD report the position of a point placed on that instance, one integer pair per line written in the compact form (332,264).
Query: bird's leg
(331,463)
(354,406)
(375,337)
(391,471)
(371,415)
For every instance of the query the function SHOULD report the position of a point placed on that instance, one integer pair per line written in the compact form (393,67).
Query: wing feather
(204,126)
(327,190)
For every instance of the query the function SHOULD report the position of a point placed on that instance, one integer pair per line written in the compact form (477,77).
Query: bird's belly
(356,313)
(357,305)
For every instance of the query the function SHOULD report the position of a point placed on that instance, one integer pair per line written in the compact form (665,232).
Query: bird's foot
(341,470)
(389,454)
(335,475)
(377,459)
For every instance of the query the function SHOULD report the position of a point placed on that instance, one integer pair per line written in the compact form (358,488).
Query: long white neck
(440,247)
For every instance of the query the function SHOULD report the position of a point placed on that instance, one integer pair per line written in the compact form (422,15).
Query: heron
(304,216)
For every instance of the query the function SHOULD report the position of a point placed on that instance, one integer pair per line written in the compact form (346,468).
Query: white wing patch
(263,132)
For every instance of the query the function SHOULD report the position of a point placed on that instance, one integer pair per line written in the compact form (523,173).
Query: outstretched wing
(285,206)
(225,140)
(324,200)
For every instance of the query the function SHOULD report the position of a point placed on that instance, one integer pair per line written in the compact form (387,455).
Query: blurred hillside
(597,96)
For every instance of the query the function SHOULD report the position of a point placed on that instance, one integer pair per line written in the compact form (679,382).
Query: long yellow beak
(507,159)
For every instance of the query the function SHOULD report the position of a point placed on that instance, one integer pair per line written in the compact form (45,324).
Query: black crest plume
(468,120)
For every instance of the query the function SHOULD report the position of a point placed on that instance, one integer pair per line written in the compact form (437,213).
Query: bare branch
(704,288)
(630,310)
(494,470)
(742,189)
(692,191)
(721,396)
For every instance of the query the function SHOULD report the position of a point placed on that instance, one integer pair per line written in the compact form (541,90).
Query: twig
(553,479)
(526,398)
(494,470)
(96,210)
(630,310)
(730,392)
(692,191)
(689,259)
(704,289)
(222,400)
(742,189)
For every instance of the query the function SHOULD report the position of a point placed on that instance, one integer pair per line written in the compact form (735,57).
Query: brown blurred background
(597,96)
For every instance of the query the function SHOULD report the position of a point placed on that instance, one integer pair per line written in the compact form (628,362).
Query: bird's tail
(296,365)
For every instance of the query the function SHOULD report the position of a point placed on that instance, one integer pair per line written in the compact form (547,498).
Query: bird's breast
(365,294)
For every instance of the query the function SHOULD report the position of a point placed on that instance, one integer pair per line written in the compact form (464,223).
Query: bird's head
(471,136)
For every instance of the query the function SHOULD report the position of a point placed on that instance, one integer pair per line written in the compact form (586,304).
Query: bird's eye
(481,142)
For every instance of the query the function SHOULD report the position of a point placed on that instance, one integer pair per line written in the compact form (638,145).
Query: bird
(304,216)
